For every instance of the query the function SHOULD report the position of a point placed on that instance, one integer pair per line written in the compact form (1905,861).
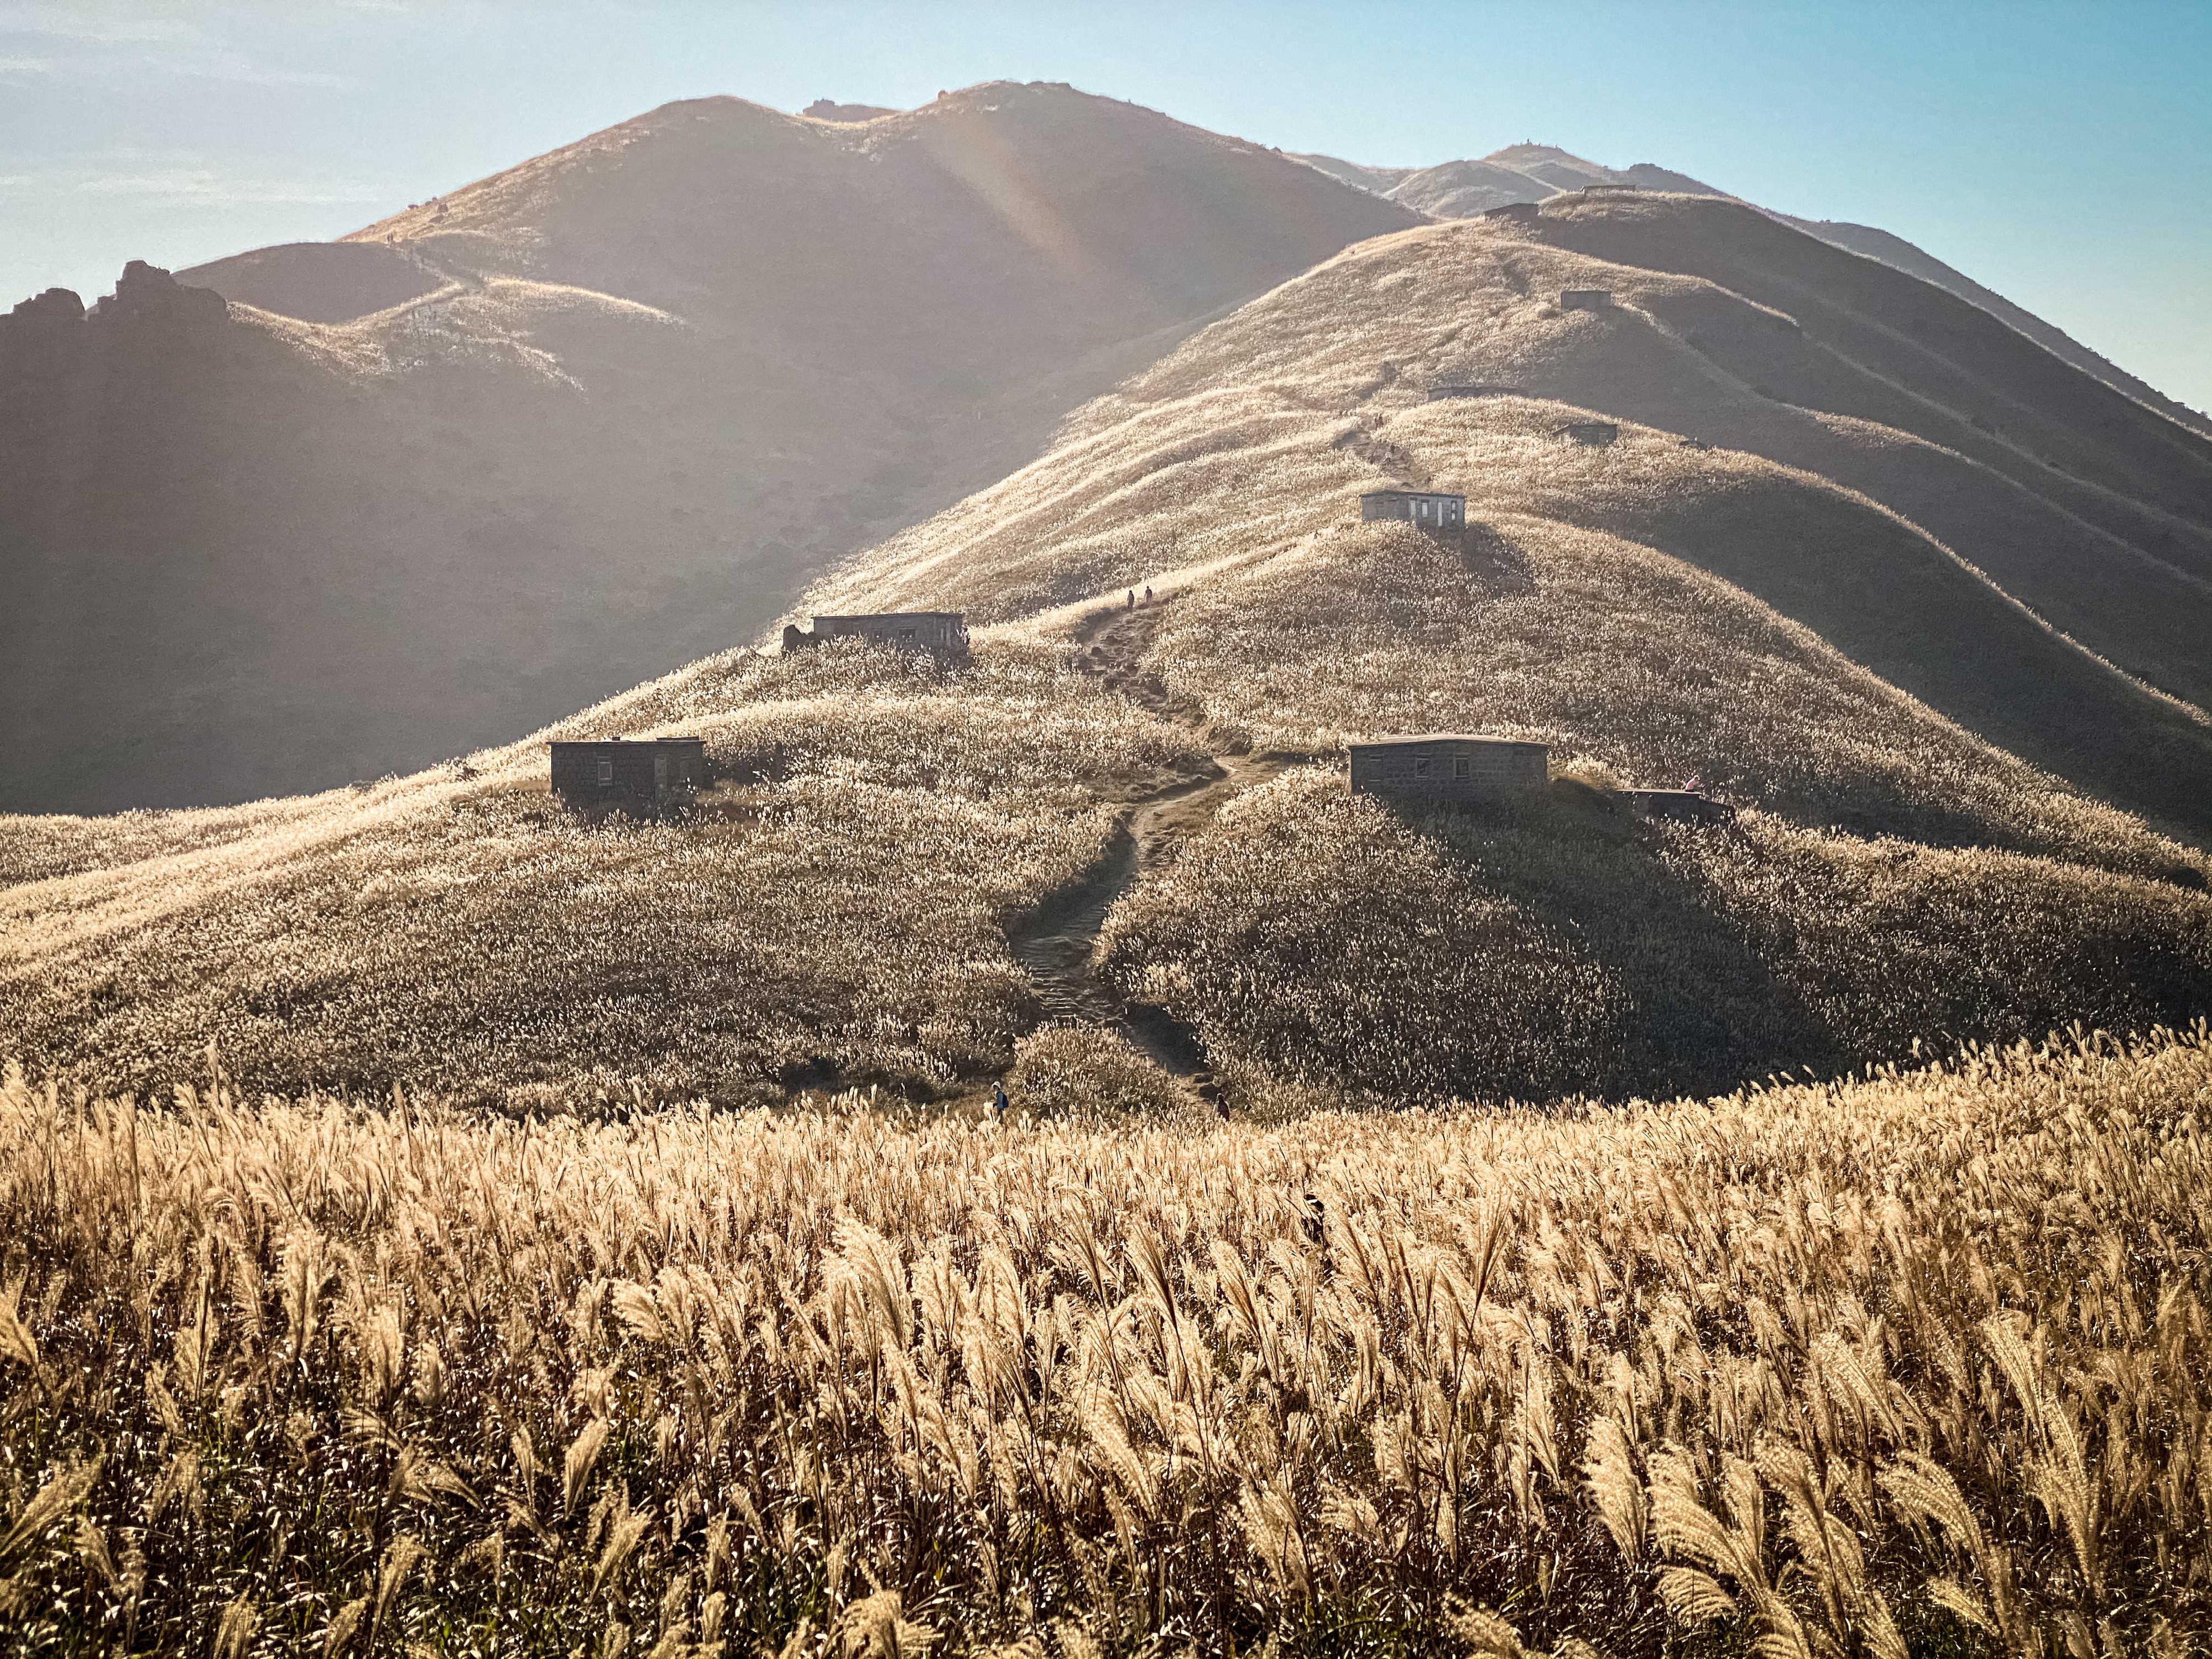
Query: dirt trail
(1058,943)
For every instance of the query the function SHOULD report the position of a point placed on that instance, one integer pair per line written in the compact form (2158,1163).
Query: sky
(2059,154)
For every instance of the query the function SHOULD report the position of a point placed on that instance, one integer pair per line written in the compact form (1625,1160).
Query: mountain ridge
(1462,189)
(584,421)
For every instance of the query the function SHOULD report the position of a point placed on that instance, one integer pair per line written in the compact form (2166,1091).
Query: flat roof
(1447,737)
(1439,495)
(603,743)
(888,616)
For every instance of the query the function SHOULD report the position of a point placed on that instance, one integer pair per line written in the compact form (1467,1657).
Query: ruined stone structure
(642,775)
(1596,434)
(944,632)
(1684,805)
(1455,765)
(1427,509)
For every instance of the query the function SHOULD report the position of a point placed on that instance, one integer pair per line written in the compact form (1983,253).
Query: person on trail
(1148,593)
(1132,604)
(997,1107)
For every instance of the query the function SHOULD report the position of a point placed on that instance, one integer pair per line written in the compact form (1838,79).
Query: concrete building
(1428,509)
(944,632)
(643,775)
(1455,765)
(1586,299)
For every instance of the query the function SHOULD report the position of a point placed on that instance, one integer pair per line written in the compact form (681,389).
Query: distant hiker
(997,1107)
(1131,602)
(1694,784)
(1148,593)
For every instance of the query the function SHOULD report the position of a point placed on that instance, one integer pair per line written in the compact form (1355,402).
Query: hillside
(573,425)
(1537,173)
(1953,823)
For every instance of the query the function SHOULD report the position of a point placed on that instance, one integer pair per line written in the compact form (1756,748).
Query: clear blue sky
(2060,154)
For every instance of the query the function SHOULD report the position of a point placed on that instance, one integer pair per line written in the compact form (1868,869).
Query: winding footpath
(1057,945)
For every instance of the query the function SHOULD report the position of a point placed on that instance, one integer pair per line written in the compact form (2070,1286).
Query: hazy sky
(2060,154)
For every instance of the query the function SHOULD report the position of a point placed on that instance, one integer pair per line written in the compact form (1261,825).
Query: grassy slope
(1458,190)
(1267,426)
(839,911)
(1892,250)
(843,908)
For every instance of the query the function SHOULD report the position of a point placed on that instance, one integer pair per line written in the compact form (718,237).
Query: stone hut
(1586,299)
(1425,508)
(1596,434)
(1454,765)
(1684,805)
(944,632)
(643,775)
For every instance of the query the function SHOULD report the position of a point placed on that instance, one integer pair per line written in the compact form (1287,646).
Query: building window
(1459,767)
(606,771)
(1420,768)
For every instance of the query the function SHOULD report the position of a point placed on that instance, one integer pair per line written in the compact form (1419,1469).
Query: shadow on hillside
(1700,1010)
(1495,565)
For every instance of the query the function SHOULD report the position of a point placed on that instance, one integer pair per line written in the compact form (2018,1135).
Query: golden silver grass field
(1915,1364)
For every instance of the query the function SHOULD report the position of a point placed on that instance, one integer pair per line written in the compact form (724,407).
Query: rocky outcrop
(51,333)
(38,338)
(828,109)
(147,296)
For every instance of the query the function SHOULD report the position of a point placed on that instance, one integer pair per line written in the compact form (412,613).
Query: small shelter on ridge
(645,775)
(1596,434)
(1685,806)
(944,632)
(1456,765)
(1428,509)
(1586,299)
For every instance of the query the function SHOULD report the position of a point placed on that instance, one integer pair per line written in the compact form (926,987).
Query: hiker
(1132,604)
(997,1109)
(1148,593)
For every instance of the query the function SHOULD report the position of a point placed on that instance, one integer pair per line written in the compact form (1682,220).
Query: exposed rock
(56,308)
(828,109)
(40,337)
(147,293)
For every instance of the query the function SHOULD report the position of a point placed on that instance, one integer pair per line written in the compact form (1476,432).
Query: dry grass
(840,913)
(1261,432)
(838,909)
(1314,936)
(1916,1364)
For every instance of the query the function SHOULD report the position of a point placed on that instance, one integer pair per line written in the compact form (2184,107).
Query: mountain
(1536,172)
(1904,256)
(571,426)
(1519,173)
(1952,819)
